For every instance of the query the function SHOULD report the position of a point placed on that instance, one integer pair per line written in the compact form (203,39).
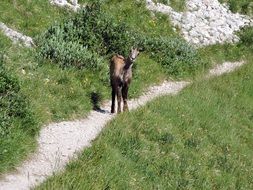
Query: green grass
(200,139)
(45,84)
(18,125)
(57,94)
(177,5)
(139,18)
(29,17)
(242,6)
(5,43)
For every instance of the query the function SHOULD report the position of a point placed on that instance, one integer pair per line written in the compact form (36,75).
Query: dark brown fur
(121,76)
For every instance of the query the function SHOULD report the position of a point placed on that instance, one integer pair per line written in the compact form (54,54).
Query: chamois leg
(124,94)
(119,97)
(113,100)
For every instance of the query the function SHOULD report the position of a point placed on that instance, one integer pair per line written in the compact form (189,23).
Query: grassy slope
(15,145)
(49,83)
(200,139)
(45,84)
(57,94)
(29,17)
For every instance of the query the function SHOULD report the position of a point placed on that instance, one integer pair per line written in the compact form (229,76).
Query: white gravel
(60,142)
(16,36)
(204,22)
(72,4)
(226,67)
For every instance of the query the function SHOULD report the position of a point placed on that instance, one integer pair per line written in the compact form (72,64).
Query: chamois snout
(134,53)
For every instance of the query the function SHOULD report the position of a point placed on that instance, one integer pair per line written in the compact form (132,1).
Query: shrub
(246,37)
(91,35)
(177,57)
(82,39)
(14,108)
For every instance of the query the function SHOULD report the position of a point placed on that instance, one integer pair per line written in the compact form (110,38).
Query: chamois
(121,76)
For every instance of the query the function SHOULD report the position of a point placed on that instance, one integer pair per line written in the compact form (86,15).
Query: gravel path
(16,36)
(60,142)
(204,22)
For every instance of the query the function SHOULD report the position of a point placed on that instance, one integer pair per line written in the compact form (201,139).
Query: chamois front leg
(125,94)
(113,100)
(119,97)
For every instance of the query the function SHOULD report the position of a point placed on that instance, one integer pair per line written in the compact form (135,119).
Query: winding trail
(60,142)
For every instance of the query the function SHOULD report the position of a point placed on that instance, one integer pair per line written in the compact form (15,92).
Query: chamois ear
(141,49)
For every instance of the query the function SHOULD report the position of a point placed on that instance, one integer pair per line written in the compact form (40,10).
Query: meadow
(199,139)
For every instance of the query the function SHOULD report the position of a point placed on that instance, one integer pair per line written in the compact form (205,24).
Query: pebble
(205,22)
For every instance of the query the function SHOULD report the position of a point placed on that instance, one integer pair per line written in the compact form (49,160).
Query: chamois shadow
(96,100)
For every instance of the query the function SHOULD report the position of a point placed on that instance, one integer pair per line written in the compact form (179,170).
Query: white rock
(16,36)
(206,20)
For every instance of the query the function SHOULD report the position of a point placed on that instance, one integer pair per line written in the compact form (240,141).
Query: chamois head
(133,54)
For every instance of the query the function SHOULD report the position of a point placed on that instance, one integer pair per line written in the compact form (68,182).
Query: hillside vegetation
(29,17)
(18,124)
(200,139)
(55,81)
(70,62)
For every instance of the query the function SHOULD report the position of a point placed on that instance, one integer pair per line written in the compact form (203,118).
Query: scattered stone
(16,36)
(208,20)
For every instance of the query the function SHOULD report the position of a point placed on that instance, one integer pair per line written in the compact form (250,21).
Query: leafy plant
(81,40)
(246,37)
(177,57)
(14,108)
(91,35)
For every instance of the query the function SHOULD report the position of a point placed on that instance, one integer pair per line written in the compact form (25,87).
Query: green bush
(82,39)
(18,124)
(92,35)
(246,37)
(177,57)
(14,108)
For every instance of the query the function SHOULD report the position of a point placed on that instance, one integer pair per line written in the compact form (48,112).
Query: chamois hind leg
(119,97)
(113,100)
(125,94)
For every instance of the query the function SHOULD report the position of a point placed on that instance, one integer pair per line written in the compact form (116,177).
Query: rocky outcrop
(72,4)
(205,22)
(16,36)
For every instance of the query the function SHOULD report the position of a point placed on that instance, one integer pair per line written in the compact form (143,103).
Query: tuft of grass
(246,38)
(242,6)
(177,5)
(200,139)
